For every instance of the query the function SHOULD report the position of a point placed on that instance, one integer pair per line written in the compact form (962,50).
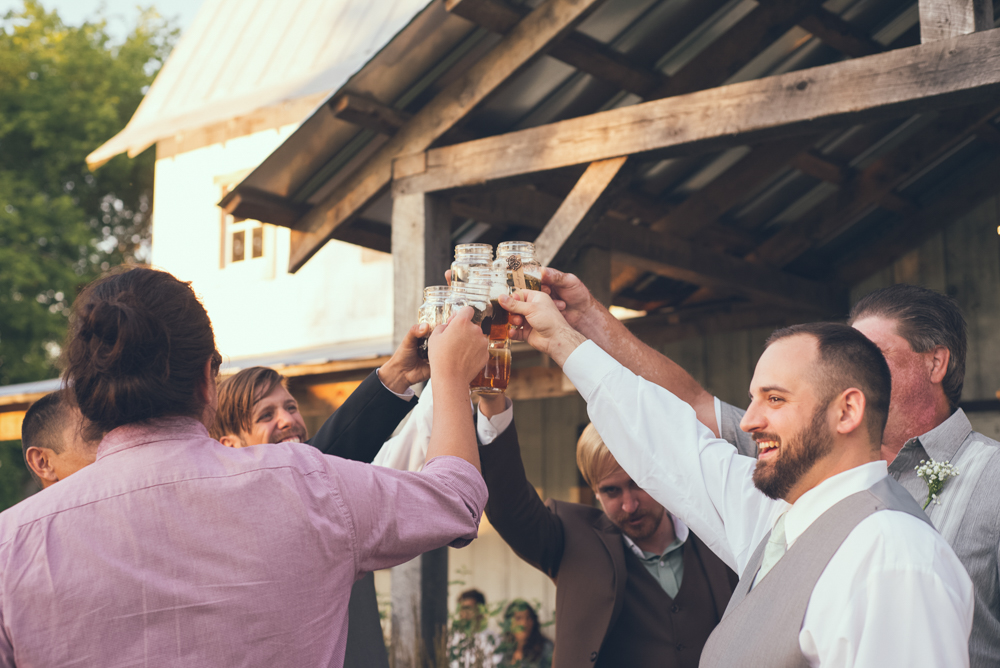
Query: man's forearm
(617,340)
(454,431)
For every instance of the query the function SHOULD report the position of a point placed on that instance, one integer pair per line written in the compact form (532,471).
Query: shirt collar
(150,431)
(808,508)
(681,533)
(943,441)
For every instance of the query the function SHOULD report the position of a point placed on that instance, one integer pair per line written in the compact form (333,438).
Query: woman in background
(523,644)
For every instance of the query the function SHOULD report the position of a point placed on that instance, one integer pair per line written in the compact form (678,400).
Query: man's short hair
(926,319)
(237,396)
(473,594)
(593,458)
(848,359)
(45,423)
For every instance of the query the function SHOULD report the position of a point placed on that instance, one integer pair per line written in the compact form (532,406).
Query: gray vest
(782,596)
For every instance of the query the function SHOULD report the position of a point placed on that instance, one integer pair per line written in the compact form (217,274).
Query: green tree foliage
(64,90)
(15,480)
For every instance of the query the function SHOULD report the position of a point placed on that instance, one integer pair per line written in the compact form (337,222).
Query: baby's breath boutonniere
(935,474)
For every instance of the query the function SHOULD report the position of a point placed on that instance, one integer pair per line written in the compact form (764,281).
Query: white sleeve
(487,429)
(659,441)
(407,450)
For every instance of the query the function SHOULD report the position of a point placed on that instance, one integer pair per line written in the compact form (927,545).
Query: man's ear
(850,410)
(937,360)
(40,462)
(231,441)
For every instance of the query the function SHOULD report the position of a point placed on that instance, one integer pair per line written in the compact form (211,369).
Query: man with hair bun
(634,587)
(52,439)
(171,549)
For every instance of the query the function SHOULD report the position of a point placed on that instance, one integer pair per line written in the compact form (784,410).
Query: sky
(121,14)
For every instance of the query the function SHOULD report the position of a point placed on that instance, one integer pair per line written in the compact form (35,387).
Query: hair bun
(125,338)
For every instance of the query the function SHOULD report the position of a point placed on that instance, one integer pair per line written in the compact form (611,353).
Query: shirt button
(680,647)
(593,656)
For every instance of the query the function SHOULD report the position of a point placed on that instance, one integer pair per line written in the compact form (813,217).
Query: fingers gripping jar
(495,376)
(467,257)
(431,312)
(517,260)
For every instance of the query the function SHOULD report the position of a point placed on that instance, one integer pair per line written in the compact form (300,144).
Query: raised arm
(589,317)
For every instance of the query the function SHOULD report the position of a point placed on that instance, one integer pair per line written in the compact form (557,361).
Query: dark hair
(45,422)
(474,594)
(535,643)
(237,396)
(926,319)
(849,359)
(138,343)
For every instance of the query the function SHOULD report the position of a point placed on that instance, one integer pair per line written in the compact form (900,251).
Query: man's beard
(278,437)
(642,532)
(775,479)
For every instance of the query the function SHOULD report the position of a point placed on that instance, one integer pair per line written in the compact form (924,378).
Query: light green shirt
(666,568)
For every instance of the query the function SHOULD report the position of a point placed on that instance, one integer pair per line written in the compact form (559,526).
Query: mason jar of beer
(496,374)
(476,295)
(516,259)
(431,312)
(467,257)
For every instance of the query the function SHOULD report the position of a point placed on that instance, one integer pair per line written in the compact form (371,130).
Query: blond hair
(593,458)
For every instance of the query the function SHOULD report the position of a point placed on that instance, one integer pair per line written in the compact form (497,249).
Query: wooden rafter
(943,74)
(944,19)
(536,32)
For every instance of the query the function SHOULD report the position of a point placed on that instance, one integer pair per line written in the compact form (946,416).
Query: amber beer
(495,375)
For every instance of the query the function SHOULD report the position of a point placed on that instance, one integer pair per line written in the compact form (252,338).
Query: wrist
(563,343)
(592,317)
(393,378)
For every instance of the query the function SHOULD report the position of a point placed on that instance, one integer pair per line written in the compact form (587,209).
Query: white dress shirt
(894,594)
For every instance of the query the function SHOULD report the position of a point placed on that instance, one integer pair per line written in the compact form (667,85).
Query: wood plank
(369,113)
(249,202)
(577,49)
(910,231)
(538,383)
(928,77)
(532,36)
(840,34)
(512,206)
(681,260)
(945,19)
(662,328)
(563,234)
(817,166)
(421,226)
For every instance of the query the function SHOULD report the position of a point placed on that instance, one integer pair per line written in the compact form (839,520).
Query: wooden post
(421,251)
(944,19)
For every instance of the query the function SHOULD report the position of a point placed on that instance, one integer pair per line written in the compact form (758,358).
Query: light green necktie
(774,550)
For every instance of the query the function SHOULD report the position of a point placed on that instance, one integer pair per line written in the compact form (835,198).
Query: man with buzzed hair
(52,439)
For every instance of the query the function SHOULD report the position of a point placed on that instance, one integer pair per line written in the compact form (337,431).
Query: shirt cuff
(405,396)
(489,428)
(587,366)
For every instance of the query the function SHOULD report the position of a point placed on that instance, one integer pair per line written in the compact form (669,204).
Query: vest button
(675,608)
(680,647)
(593,656)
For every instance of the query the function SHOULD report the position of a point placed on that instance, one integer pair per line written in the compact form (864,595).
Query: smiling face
(275,419)
(787,417)
(630,508)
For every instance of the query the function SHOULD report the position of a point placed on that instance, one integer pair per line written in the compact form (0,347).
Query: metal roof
(239,56)
(702,44)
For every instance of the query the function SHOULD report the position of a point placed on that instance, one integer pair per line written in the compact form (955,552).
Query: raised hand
(405,367)
(546,329)
(458,349)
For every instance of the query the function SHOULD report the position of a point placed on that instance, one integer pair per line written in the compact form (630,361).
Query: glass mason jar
(431,312)
(517,260)
(468,256)
(476,295)
(496,374)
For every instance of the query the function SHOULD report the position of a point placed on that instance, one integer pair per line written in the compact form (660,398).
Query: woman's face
(521,625)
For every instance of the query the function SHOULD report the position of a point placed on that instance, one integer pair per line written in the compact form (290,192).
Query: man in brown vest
(840,567)
(634,586)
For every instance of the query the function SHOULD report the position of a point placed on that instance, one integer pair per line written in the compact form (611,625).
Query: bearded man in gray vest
(840,567)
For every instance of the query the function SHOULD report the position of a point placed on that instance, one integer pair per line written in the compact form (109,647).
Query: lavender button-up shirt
(172,550)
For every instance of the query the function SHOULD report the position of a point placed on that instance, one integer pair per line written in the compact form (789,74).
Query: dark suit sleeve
(514,509)
(363,422)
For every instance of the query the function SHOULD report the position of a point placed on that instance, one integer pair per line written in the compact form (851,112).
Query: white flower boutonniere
(935,474)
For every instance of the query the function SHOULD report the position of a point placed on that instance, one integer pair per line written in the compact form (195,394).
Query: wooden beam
(817,166)
(564,233)
(662,328)
(512,206)
(532,36)
(369,113)
(577,49)
(249,202)
(538,383)
(681,260)
(421,227)
(928,77)
(945,19)
(908,232)
(839,34)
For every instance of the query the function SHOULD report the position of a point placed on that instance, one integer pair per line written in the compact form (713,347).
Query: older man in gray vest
(840,567)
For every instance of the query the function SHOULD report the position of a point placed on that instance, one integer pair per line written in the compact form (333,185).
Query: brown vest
(651,624)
